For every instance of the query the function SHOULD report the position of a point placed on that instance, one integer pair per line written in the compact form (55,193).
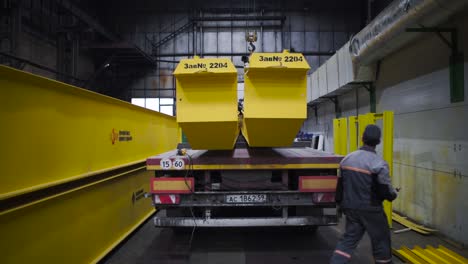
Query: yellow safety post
(340,135)
(274,99)
(353,133)
(363,121)
(207,102)
(387,119)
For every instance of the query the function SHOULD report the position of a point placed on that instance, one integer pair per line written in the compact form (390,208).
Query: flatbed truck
(244,187)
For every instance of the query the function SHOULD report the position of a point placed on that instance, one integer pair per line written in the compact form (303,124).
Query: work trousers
(357,223)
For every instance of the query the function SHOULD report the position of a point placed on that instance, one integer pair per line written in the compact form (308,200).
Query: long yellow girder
(53,133)
(72,169)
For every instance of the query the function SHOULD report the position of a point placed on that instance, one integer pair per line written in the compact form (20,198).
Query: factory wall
(36,38)
(353,103)
(430,133)
(308,27)
(44,52)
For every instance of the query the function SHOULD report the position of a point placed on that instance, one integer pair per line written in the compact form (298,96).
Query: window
(163,105)
(138,101)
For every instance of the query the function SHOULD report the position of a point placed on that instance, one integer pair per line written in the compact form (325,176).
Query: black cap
(371,136)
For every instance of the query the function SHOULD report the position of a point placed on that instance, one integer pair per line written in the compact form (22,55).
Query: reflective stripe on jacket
(364,181)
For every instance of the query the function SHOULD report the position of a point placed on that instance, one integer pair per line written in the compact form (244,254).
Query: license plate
(246,198)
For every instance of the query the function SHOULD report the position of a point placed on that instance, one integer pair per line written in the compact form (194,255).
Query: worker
(362,186)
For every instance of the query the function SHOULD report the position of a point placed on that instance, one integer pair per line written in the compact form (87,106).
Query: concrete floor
(249,245)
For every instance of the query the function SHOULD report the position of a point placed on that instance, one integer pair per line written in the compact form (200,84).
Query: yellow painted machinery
(207,102)
(275,98)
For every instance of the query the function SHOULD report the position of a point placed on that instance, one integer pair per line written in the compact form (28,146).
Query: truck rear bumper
(244,222)
(274,198)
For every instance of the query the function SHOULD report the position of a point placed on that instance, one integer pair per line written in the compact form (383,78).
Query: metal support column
(457,82)
(370,87)
(335,101)
(75,55)
(61,57)
(15,27)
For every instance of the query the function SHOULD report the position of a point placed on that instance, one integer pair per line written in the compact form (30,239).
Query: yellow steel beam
(67,191)
(53,133)
(71,165)
(452,255)
(409,257)
(80,226)
(431,255)
(422,254)
(438,256)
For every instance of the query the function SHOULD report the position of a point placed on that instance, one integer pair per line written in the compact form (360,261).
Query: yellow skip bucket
(207,102)
(275,103)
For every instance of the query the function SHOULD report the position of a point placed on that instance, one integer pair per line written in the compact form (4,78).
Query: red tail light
(166,199)
(323,197)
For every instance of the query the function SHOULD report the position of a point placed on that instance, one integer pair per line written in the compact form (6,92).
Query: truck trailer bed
(245,187)
(248,159)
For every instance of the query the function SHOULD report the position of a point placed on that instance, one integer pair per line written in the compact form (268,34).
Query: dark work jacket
(364,181)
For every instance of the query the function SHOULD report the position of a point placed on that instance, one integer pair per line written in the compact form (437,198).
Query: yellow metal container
(207,102)
(274,99)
